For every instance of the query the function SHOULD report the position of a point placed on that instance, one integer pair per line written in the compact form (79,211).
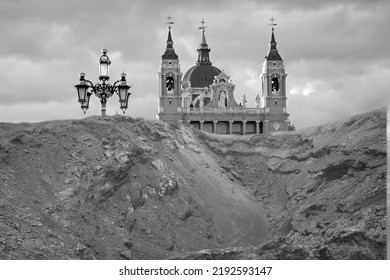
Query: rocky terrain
(123,188)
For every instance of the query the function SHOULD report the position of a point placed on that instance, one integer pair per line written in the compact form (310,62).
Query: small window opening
(170,83)
(276,102)
(275,84)
(170,101)
(169,62)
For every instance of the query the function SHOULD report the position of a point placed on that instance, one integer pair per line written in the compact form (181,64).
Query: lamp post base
(103,110)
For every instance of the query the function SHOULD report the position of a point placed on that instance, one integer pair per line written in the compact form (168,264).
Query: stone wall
(251,128)
(223,127)
(208,127)
(237,128)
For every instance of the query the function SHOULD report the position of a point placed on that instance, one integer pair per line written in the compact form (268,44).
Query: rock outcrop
(324,189)
(123,188)
(116,188)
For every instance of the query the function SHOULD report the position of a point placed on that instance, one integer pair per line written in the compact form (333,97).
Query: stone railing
(218,111)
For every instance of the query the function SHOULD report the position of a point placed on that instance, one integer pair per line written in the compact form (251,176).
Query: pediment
(222,78)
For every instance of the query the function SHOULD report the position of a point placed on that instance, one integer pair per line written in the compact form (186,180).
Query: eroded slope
(324,189)
(117,188)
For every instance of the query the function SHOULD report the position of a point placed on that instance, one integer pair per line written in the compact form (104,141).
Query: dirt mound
(117,188)
(120,188)
(324,189)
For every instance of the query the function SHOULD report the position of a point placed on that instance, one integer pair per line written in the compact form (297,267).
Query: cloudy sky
(336,52)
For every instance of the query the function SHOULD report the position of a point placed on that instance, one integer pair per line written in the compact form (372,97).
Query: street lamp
(104,90)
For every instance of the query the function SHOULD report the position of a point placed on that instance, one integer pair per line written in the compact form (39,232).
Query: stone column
(243,127)
(215,126)
(230,127)
(201,125)
(265,126)
(177,85)
(257,127)
(163,81)
(269,92)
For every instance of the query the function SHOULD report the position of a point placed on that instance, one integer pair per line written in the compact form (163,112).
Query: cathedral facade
(204,96)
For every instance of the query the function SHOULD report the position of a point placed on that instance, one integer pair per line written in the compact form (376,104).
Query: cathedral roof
(203,73)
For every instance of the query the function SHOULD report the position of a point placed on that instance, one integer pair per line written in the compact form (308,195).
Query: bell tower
(169,82)
(273,78)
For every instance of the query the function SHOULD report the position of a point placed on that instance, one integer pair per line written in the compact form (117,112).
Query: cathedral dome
(200,75)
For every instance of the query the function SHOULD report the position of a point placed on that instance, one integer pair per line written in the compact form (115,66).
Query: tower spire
(272,24)
(203,28)
(273,51)
(169,22)
(203,50)
(169,51)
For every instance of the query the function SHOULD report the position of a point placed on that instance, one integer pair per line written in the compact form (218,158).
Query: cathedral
(204,96)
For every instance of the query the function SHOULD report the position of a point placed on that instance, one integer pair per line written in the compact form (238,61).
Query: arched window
(275,84)
(222,80)
(170,83)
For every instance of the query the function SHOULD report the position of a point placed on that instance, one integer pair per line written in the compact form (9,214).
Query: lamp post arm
(115,87)
(89,83)
(109,89)
(96,88)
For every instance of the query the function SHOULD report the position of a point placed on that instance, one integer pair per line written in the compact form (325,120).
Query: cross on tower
(272,24)
(170,22)
(202,27)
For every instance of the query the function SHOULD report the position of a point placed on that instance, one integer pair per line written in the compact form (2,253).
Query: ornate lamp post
(103,90)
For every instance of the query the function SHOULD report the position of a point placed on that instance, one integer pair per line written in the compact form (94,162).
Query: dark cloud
(335,51)
(308,5)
